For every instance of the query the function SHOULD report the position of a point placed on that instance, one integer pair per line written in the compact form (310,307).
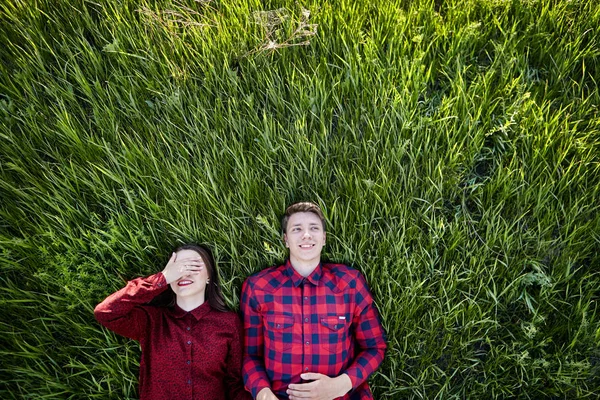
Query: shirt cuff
(356,376)
(160,281)
(259,386)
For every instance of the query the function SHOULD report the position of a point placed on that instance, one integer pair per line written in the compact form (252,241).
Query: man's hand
(322,387)
(266,394)
(178,267)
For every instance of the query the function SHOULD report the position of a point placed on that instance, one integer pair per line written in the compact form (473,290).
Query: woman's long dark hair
(214,296)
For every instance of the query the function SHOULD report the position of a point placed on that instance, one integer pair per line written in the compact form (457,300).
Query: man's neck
(304,268)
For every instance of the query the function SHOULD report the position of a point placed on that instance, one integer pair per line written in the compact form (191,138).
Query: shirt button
(305,298)
(188,362)
(307,343)
(188,328)
(278,325)
(306,369)
(305,319)
(189,381)
(189,342)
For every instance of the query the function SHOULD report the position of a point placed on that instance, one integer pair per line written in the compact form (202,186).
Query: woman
(191,344)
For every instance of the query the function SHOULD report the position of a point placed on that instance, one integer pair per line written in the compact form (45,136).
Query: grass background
(454,147)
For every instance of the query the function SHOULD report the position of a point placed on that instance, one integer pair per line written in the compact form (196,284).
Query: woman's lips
(184,282)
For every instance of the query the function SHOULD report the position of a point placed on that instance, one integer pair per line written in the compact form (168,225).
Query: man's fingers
(301,390)
(298,394)
(304,387)
(301,387)
(311,376)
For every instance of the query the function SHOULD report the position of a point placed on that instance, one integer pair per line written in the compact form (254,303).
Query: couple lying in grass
(310,329)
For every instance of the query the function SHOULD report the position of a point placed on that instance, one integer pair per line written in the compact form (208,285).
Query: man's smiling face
(305,237)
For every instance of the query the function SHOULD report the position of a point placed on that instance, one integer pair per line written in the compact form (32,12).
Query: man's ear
(285,240)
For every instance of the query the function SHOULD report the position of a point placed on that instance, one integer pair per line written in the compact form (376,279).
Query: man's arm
(368,335)
(253,369)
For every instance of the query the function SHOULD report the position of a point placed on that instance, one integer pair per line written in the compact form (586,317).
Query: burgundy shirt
(185,355)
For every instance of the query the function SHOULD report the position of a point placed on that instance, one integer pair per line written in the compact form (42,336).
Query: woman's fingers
(178,267)
(189,273)
(191,265)
(189,269)
(172,260)
(171,269)
(191,261)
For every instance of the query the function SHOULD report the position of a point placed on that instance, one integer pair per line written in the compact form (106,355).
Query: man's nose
(306,234)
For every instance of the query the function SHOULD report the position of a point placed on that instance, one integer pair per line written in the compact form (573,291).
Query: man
(312,331)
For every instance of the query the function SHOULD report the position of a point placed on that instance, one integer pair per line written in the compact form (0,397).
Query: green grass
(454,147)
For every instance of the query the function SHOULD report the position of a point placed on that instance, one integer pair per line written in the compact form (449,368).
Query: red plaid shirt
(185,355)
(325,323)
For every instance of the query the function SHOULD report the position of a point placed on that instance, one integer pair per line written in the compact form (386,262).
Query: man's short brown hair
(302,206)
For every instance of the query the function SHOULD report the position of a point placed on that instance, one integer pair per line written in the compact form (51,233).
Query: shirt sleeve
(369,336)
(120,312)
(253,369)
(233,377)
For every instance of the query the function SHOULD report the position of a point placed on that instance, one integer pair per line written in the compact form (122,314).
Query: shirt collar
(297,279)
(197,312)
